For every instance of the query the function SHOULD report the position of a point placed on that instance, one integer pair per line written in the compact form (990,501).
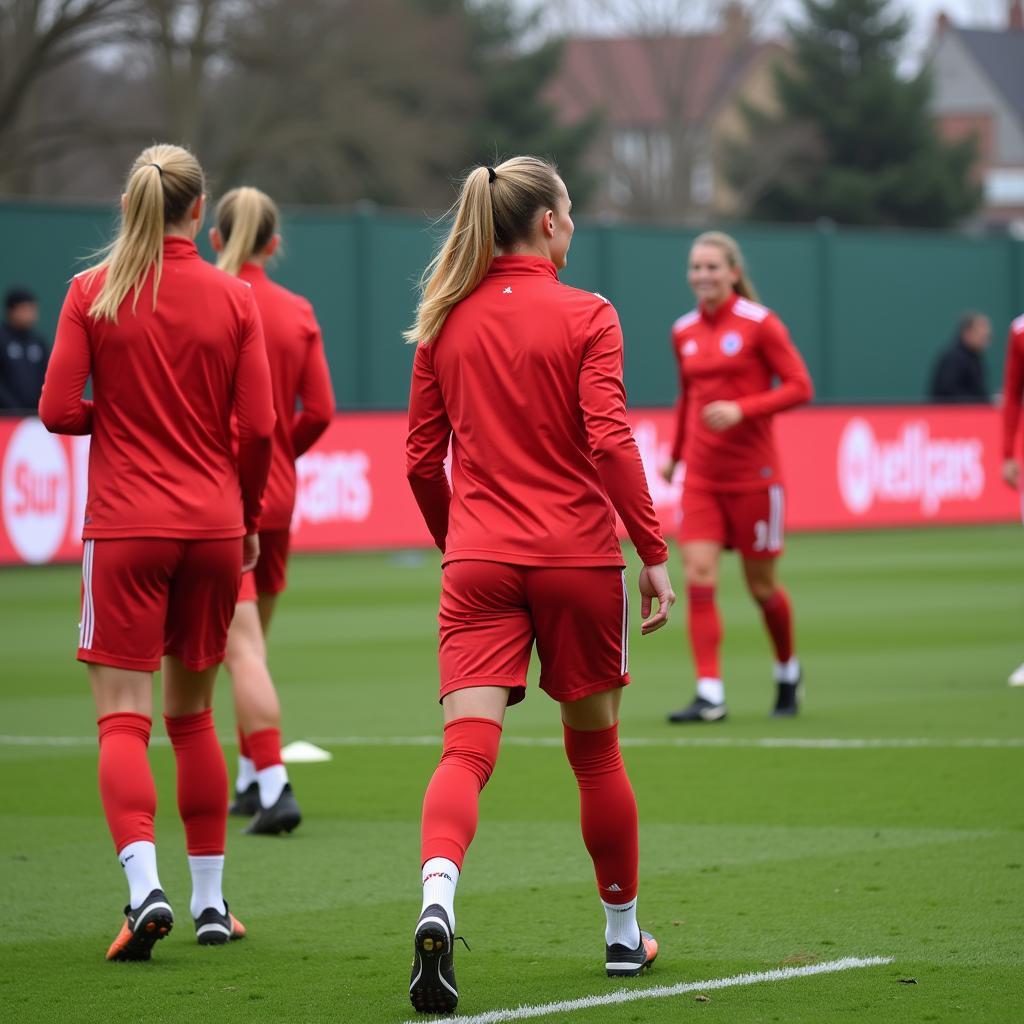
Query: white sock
(712,690)
(246,774)
(139,863)
(621,927)
(271,780)
(787,671)
(207,876)
(440,876)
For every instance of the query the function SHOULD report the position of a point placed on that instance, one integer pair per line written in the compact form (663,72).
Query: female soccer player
(175,350)
(729,349)
(523,375)
(1013,386)
(245,238)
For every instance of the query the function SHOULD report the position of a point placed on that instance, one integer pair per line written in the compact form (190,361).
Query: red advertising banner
(846,468)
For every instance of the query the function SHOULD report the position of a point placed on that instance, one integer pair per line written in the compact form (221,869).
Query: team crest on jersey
(731,343)
(689,347)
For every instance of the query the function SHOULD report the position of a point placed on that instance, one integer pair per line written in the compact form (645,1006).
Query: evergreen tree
(514,117)
(852,141)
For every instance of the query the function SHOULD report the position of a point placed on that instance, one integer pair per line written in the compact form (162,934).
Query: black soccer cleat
(283,816)
(215,929)
(432,985)
(247,801)
(143,928)
(787,699)
(622,962)
(700,710)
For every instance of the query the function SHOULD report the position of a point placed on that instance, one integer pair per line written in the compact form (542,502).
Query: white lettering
(332,487)
(912,468)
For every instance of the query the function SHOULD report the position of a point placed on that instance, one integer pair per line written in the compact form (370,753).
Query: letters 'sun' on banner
(845,468)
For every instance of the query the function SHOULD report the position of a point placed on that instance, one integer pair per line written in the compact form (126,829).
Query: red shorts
(491,614)
(146,597)
(271,573)
(751,522)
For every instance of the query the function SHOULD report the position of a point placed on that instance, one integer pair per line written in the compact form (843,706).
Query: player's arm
(427,446)
(254,414)
(602,398)
(1013,384)
(61,406)
(785,362)
(679,437)
(316,395)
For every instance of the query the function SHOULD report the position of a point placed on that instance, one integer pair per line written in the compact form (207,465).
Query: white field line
(632,995)
(763,742)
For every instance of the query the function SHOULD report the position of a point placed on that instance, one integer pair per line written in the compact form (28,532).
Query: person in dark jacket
(959,373)
(23,353)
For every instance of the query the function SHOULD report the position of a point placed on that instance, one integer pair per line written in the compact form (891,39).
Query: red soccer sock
(265,748)
(243,744)
(778,618)
(202,782)
(126,782)
(705,631)
(450,805)
(607,810)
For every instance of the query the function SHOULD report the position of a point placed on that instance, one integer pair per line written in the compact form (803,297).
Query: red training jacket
(525,378)
(732,355)
(166,383)
(1013,385)
(298,370)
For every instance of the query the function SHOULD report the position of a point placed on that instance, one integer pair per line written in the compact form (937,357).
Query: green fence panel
(869,310)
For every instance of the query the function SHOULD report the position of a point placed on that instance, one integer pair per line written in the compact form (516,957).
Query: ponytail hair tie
(159,169)
(491,175)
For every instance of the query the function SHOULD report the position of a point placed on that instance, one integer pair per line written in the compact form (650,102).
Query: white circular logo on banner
(36,492)
(855,466)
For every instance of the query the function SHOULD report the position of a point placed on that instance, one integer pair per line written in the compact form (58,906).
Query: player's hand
(1011,473)
(250,551)
(668,470)
(654,583)
(719,416)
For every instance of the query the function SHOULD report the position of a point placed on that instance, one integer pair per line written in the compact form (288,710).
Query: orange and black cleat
(143,928)
(215,929)
(622,962)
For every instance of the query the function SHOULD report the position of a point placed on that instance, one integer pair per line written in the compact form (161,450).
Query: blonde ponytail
(496,207)
(162,185)
(247,220)
(734,255)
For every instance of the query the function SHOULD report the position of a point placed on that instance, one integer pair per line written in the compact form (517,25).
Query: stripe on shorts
(88,623)
(776,512)
(624,640)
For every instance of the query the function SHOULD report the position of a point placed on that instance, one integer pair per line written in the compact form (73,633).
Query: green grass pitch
(754,856)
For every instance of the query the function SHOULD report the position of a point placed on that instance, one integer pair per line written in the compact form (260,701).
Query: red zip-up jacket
(525,380)
(298,370)
(733,354)
(166,384)
(1013,385)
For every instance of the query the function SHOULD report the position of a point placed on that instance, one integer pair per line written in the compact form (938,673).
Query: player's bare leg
(124,711)
(761,577)
(262,788)
(608,819)
(202,794)
(704,626)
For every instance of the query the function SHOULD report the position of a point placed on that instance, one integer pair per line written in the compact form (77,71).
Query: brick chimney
(1016,15)
(736,28)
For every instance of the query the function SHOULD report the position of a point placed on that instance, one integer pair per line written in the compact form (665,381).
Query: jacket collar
(178,247)
(724,309)
(538,265)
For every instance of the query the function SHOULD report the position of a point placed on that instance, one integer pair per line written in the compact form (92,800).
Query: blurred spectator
(959,373)
(23,353)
